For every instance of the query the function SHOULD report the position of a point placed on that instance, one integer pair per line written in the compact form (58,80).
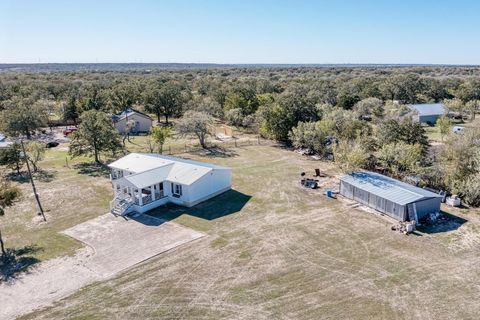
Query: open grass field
(70,195)
(273,251)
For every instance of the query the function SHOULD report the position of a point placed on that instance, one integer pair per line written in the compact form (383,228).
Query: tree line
(356,116)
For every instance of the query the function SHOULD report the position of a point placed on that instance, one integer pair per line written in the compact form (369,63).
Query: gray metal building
(397,199)
(428,112)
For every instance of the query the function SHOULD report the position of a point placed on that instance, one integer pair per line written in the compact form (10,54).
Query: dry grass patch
(68,197)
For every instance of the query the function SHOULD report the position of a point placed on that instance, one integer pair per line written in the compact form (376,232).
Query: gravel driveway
(120,243)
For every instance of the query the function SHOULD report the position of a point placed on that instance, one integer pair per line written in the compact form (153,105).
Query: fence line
(225,144)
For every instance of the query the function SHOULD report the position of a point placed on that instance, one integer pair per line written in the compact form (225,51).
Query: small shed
(396,199)
(428,112)
(143,122)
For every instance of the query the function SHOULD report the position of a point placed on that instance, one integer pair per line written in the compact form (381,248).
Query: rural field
(245,160)
(272,250)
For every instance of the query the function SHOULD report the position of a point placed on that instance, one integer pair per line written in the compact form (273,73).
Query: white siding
(209,185)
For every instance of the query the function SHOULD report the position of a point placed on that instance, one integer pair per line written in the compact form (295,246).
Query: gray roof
(385,187)
(129,112)
(429,109)
(150,168)
(147,178)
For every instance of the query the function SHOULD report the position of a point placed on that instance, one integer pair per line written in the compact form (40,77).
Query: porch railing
(148,198)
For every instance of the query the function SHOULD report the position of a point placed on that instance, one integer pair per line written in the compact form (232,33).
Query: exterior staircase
(120,206)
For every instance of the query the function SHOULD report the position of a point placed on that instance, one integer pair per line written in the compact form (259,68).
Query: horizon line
(250,64)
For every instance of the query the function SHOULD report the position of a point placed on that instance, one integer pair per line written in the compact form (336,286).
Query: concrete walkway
(113,245)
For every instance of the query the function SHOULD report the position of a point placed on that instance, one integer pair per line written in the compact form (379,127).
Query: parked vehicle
(52,144)
(458,129)
(69,131)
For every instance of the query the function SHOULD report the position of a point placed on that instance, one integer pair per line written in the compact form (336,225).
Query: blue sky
(242,31)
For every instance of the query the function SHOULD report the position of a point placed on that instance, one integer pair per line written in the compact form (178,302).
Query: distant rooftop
(429,109)
(3,142)
(391,189)
(129,112)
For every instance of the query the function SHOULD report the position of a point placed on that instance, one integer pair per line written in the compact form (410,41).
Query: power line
(33,183)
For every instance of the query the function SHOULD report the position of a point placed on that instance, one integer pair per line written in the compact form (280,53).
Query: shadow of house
(93,169)
(225,204)
(17,261)
(146,219)
(446,222)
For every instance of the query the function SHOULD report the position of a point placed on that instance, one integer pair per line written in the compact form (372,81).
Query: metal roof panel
(393,190)
(429,109)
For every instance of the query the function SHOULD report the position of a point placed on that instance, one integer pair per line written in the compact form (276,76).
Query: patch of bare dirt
(45,283)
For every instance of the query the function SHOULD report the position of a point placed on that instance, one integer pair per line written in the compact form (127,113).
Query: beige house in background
(143,122)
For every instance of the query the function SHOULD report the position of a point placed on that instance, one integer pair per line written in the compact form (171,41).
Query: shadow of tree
(19,178)
(445,222)
(17,261)
(93,169)
(214,152)
(40,175)
(45,176)
(222,205)
(220,152)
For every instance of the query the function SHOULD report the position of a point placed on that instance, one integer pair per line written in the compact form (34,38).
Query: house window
(176,189)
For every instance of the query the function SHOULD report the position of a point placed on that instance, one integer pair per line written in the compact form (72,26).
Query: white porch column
(140,200)
(152,192)
(115,191)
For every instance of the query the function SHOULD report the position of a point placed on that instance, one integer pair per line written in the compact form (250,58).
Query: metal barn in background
(428,112)
(397,199)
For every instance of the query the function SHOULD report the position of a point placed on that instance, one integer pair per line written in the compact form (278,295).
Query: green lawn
(433,134)
(277,251)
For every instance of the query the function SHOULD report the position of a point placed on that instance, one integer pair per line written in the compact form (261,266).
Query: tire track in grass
(307,250)
(133,307)
(237,279)
(140,301)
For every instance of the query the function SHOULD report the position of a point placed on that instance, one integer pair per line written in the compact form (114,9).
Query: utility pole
(33,183)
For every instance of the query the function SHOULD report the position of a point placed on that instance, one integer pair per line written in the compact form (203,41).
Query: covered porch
(139,196)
